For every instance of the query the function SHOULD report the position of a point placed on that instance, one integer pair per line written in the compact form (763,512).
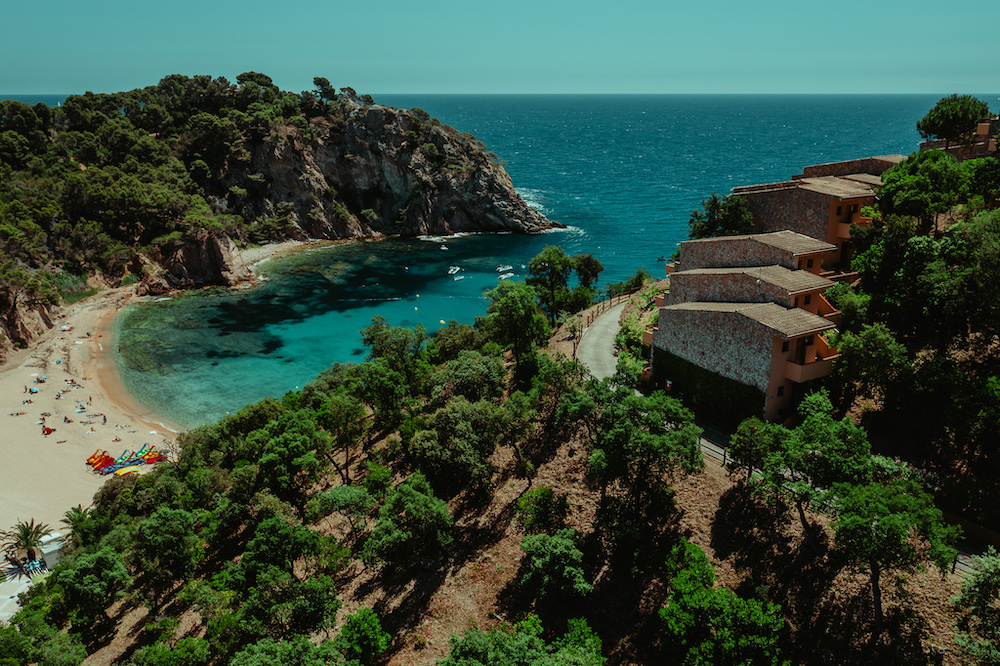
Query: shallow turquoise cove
(195,356)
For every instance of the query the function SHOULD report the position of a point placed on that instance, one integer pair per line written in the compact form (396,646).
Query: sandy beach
(44,475)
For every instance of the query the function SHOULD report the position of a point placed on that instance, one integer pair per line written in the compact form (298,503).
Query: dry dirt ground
(828,605)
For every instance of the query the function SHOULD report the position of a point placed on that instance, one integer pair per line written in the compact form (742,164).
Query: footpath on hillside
(597,346)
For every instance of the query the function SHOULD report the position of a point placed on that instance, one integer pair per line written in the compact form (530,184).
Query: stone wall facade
(793,208)
(872,165)
(726,343)
(732,288)
(734,253)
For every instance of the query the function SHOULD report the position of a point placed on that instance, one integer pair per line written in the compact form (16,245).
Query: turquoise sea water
(623,172)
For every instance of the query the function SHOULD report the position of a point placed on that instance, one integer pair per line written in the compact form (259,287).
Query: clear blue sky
(509,46)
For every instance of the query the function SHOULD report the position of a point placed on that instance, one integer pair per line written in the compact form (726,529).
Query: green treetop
(722,216)
(953,118)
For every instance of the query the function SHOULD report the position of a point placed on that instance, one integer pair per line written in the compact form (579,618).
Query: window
(840,210)
(809,299)
(809,264)
(796,301)
(807,341)
(784,346)
(781,391)
(854,208)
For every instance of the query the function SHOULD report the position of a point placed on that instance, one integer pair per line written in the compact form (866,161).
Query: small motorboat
(444,247)
(506,276)
(504,269)
(453,269)
(458,277)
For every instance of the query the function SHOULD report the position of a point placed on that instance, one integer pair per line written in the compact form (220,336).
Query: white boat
(444,247)
(504,269)
(506,276)
(458,277)
(453,269)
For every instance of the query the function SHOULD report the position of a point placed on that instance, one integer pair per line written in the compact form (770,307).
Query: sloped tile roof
(794,282)
(790,241)
(785,322)
(793,242)
(836,186)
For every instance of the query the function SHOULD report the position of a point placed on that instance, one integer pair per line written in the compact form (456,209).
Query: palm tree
(27,536)
(75,519)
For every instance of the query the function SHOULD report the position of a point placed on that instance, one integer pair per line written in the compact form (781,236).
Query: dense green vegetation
(549,272)
(721,216)
(919,342)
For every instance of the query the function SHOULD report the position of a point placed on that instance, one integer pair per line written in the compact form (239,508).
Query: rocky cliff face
(22,323)
(379,171)
(206,259)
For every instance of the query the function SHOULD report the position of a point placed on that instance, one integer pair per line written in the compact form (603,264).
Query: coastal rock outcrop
(378,171)
(206,259)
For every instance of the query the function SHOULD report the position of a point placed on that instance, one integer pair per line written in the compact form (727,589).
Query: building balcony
(801,373)
(671,267)
(647,336)
(660,300)
(826,310)
(843,230)
(820,363)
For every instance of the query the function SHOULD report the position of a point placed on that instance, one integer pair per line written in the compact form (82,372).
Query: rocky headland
(163,186)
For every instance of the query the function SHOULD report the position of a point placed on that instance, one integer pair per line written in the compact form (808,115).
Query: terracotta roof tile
(794,282)
(785,322)
(790,241)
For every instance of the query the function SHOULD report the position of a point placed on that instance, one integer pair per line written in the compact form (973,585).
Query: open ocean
(622,171)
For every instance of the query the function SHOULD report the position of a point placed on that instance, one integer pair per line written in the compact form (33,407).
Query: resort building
(740,331)
(823,202)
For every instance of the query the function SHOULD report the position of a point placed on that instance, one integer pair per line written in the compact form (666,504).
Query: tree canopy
(876,525)
(953,118)
(721,216)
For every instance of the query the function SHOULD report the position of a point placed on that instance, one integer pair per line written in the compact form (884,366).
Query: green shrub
(552,568)
(72,288)
(542,510)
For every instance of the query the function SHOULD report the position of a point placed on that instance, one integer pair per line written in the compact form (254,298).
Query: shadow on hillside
(413,601)
(766,545)
(412,589)
(627,591)
(751,531)
(840,633)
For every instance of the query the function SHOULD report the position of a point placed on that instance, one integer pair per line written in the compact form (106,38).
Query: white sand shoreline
(44,476)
